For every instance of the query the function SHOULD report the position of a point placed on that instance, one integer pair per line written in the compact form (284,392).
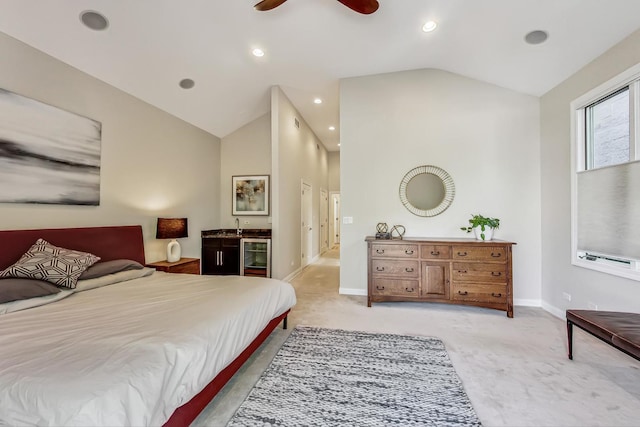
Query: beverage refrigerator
(255,257)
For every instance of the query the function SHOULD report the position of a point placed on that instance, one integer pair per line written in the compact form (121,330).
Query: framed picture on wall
(250,195)
(47,154)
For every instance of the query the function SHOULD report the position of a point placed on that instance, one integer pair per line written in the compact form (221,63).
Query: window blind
(608,210)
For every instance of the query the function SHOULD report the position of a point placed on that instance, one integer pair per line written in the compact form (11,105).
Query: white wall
(247,151)
(484,136)
(334,170)
(153,164)
(297,155)
(558,275)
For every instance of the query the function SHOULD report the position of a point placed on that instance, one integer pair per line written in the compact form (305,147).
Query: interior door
(335,219)
(307,221)
(324,221)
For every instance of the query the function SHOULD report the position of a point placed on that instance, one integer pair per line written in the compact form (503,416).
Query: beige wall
(558,275)
(247,151)
(334,170)
(484,136)
(297,155)
(153,164)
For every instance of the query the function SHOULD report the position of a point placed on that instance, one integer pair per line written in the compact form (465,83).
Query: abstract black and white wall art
(47,155)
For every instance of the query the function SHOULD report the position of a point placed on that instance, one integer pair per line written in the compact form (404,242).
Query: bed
(135,347)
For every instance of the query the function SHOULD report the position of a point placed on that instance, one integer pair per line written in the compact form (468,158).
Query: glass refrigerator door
(256,257)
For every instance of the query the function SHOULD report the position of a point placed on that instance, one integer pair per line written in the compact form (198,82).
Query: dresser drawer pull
(409,290)
(496,273)
(435,253)
(408,252)
(379,268)
(380,288)
(409,270)
(462,271)
(463,293)
(462,254)
(379,251)
(493,294)
(496,255)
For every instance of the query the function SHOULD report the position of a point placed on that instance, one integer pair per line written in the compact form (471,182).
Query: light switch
(347,220)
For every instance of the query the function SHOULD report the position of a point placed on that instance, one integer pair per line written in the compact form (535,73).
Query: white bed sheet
(129,353)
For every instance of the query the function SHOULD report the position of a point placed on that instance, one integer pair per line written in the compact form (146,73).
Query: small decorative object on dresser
(397,232)
(483,227)
(183,265)
(382,231)
(452,271)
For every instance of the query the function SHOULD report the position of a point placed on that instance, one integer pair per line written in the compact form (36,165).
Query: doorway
(334,221)
(306,231)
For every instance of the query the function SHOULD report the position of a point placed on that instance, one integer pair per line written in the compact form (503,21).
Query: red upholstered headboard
(118,242)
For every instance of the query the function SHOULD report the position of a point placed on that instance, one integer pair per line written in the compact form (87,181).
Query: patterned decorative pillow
(44,261)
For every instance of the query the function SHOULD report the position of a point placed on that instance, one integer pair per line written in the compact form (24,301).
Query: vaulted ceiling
(149,46)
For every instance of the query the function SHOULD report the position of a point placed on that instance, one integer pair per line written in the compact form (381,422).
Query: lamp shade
(172,228)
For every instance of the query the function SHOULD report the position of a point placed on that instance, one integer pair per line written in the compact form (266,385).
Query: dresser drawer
(480,253)
(479,292)
(191,268)
(477,272)
(394,251)
(396,287)
(394,267)
(435,252)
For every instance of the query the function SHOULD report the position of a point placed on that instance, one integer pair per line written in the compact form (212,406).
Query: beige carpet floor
(515,371)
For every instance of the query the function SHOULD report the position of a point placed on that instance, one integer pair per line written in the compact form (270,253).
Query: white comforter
(129,354)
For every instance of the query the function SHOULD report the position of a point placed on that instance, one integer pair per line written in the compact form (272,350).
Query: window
(607,133)
(605,177)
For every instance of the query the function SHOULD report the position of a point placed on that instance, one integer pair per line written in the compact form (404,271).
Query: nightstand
(184,265)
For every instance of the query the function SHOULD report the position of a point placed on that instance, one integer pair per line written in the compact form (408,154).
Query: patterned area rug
(328,377)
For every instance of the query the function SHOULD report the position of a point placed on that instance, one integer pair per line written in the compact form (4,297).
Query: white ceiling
(151,45)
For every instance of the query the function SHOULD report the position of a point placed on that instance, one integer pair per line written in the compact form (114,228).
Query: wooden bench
(618,329)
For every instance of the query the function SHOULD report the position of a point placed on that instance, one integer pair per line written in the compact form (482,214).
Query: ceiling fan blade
(268,4)
(365,7)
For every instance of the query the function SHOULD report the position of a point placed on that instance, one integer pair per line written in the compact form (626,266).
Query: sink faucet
(238,229)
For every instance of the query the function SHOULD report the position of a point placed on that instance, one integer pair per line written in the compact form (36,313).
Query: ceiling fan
(365,7)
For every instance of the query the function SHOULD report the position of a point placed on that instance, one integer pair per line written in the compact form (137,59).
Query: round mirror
(427,190)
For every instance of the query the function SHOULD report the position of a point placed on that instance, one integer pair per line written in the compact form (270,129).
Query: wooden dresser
(453,271)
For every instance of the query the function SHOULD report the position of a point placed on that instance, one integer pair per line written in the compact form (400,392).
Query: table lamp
(172,228)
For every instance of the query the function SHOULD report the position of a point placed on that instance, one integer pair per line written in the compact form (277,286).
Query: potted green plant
(482,226)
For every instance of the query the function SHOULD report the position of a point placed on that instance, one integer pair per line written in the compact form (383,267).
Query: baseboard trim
(352,291)
(561,314)
(521,302)
(528,302)
(292,276)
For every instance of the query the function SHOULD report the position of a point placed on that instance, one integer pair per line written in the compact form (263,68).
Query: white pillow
(110,279)
(9,307)
(82,285)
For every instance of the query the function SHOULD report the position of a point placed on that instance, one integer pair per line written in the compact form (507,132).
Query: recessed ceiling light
(94,20)
(187,83)
(429,26)
(332,128)
(317,101)
(258,52)
(536,37)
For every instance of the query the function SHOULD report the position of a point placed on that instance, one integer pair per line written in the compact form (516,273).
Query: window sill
(626,272)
